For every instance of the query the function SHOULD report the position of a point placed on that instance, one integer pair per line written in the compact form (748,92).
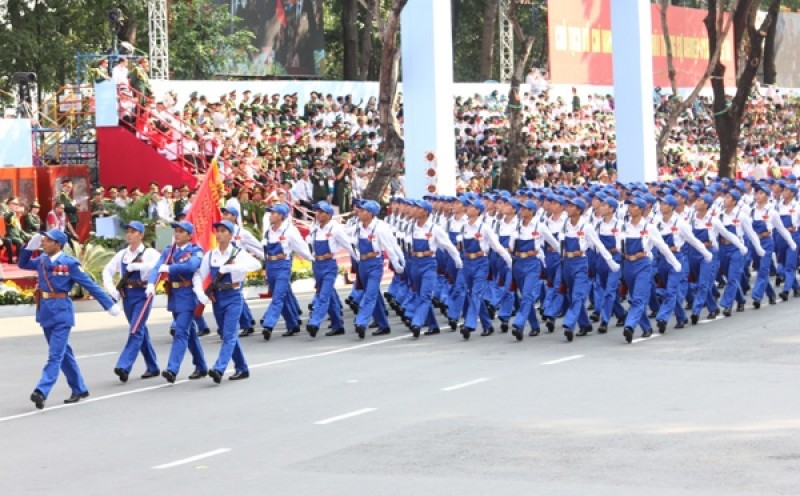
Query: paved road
(708,410)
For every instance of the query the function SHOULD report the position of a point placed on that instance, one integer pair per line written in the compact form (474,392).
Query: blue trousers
(762,284)
(279,275)
(423,278)
(326,300)
(526,273)
(134,306)
(371,306)
(227,310)
(606,286)
(732,265)
(476,272)
(457,299)
(60,357)
(705,272)
(638,277)
(576,276)
(673,292)
(246,320)
(185,337)
(554,299)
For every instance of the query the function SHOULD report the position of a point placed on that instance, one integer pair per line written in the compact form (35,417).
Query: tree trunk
(770,74)
(728,115)
(350,34)
(490,13)
(671,72)
(517,149)
(387,93)
(366,42)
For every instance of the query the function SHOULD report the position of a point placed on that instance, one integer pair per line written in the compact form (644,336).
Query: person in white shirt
(426,239)
(227,265)
(372,237)
(326,238)
(476,239)
(133,264)
(281,241)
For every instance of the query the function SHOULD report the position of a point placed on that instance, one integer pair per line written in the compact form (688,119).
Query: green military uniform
(69,208)
(178,206)
(140,81)
(98,210)
(31,223)
(14,228)
(343,191)
(98,74)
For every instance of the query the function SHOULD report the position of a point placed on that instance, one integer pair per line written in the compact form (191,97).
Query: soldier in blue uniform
(228,265)
(180,261)
(243,239)
(133,264)
(326,238)
(57,273)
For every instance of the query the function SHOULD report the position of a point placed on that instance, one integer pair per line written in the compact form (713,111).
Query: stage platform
(26,279)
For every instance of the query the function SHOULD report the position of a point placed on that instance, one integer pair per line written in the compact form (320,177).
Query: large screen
(580,44)
(289,36)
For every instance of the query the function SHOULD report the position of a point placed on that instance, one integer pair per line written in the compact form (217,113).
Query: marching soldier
(228,266)
(180,261)
(133,264)
(57,273)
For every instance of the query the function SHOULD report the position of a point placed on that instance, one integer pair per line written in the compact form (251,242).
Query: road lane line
(562,360)
(192,458)
(345,416)
(465,384)
(91,399)
(639,340)
(327,353)
(107,353)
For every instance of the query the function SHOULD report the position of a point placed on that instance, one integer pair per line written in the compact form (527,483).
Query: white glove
(226,269)
(508,262)
(150,290)
(164,269)
(132,267)
(114,294)
(677,267)
(459,264)
(743,251)
(399,269)
(114,310)
(760,252)
(356,257)
(203,299)
(793,246)
(707,256)
(613,266)
(35,242)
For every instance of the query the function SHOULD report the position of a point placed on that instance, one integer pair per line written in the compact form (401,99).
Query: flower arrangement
(12,294)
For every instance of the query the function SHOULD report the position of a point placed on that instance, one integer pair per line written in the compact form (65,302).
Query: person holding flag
(180,261)
(133,264)
(243,239)
(227,265)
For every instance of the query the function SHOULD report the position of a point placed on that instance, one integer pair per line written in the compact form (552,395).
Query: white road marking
(639,340)
(192,458)
(562,360)
(708,321)
(91,400)
(327,353)
(465,384)
(345,416)
(107,353)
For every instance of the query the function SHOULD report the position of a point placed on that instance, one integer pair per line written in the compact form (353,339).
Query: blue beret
(231,210)
(135,225)
(371,206)
(578,203)
(638,202)
(57,235)
(281,209)
(323,206)
(530,205)
(226,224)
(670,200)
(185,225)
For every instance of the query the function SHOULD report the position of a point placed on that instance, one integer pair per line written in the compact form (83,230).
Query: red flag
(280,14)
(204,212)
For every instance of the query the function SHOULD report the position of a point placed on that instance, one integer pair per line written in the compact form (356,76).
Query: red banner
(580,44)
(204,211)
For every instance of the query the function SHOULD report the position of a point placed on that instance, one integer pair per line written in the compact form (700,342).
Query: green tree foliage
(204,45)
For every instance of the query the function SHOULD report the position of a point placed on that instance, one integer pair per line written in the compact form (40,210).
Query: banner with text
(580,44)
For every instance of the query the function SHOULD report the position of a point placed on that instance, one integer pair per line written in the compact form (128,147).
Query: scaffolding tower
(159,39)
(506,43)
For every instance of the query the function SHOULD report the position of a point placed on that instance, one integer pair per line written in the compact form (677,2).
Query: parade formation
(583,259)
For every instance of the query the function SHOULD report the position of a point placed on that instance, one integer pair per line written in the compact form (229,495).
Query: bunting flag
(280,14)
(204,211)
